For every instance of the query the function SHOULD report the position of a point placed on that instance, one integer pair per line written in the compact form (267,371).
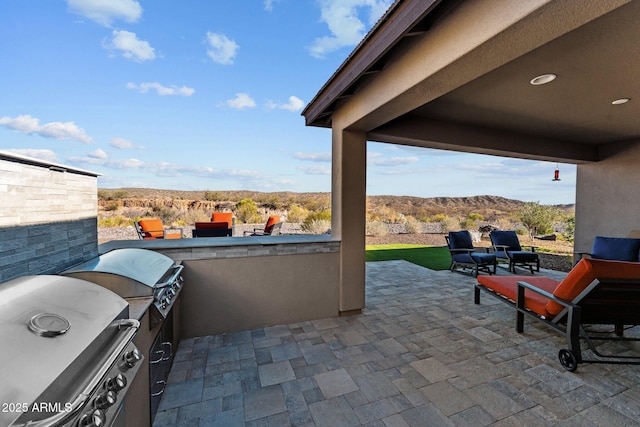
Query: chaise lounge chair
(464,255)
(595,292)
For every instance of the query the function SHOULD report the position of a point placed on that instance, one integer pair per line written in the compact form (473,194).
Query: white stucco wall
(608,195)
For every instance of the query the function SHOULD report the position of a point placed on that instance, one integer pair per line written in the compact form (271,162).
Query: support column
(348,189)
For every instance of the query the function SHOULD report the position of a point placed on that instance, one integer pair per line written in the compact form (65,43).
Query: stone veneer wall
(48,216)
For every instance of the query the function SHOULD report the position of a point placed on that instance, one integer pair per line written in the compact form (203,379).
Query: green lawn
(433,257)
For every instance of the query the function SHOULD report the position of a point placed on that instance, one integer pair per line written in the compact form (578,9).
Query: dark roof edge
(387,32)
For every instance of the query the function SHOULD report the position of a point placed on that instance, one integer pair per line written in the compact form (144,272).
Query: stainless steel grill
(67,353)
(133,273)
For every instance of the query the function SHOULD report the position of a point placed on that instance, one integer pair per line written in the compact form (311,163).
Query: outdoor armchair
(464,255)
(271,228)
(150,229)
(507,248)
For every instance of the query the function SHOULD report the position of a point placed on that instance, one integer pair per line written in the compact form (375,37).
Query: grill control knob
(165,302)
(171,293)
(105,400)
(96,418)
(116,383)
(132,357)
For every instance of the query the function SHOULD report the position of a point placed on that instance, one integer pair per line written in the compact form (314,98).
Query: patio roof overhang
(456,75)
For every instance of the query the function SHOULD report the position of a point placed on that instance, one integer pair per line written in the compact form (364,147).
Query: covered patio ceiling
(479,98)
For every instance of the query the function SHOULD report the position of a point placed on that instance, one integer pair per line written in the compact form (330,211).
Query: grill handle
(171,279)
(132,326)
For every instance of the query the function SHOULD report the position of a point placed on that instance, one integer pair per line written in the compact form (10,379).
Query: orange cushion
(152,228)
(274,219)
(223,217)
(588,270)
(507,286)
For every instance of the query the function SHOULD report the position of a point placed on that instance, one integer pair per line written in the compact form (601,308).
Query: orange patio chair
(271,228)
(223,217)
(151,229)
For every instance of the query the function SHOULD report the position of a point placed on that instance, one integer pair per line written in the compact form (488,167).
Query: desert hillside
(492,208)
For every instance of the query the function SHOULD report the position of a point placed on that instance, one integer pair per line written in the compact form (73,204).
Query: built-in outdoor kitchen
(90,332)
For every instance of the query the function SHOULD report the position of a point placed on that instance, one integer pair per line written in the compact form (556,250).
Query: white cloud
(98,154)
(56,130)
(104,12)
(345,24)
(268,4)
(221,49)
(130,46)
(42,154)
(375,159)
(316,170)
(122,144)
(241,101)
(294,104)
(160,89)
(313,157)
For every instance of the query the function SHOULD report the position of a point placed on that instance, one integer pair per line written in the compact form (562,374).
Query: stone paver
(421,353)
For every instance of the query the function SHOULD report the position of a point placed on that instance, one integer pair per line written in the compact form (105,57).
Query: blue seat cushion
(523,256)
(616,248)
(478,258)
(483,258)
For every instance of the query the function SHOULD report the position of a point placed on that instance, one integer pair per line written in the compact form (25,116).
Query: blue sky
(207,95)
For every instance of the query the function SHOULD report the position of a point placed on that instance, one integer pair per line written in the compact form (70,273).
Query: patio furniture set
(221,225)
(597,301)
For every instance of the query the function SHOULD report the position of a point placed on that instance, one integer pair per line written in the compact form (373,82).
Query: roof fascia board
(398,20)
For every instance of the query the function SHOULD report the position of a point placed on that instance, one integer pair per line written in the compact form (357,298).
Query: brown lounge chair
(595,292)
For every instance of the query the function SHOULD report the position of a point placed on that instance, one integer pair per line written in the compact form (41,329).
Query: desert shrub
(537,218)
(570,224)
(317,226)
(115,221)
(111,206)
(386,214)
(247,212)
(195,215)
(167,215)
(447,223)
(316,216)
(270,201)
(471,221)
(297,213)
(112,194)
(212,196)
(376,228)
(412,226)
(134,212)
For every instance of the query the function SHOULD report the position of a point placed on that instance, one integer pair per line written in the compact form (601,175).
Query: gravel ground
(547,260)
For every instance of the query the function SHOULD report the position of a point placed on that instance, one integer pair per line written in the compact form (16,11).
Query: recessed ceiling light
(543,79)
(621,101)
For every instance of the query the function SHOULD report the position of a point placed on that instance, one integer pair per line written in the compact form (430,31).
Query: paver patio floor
(420,354)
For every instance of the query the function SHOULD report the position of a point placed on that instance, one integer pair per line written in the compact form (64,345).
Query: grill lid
(46,323)
(142,265)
